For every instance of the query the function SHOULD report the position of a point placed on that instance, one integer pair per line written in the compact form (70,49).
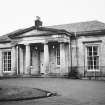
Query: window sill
(7,71)
(93,70)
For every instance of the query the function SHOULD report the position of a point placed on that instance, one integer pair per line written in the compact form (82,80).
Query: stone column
(1,69)
(69,58)
(17,59)
(62,58)
(27,60)
(21,59)
(13,59)
(46,58)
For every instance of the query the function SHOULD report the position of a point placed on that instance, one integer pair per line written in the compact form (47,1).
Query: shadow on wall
(74,73)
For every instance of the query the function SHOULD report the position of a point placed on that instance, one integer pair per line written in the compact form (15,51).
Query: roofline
(89,33)
(5,41)
(11,35)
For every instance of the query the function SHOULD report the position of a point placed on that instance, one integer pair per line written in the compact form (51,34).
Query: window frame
(92,45)
(8,60)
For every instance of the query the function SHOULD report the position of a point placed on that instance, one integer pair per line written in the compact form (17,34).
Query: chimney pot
(38,22)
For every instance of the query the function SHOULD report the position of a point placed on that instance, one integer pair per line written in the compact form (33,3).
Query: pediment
(35,33)
(32,31)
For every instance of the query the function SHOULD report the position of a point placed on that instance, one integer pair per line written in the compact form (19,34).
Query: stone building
(54,50)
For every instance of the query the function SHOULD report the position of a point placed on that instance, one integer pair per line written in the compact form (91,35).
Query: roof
(80,27)
(6,38)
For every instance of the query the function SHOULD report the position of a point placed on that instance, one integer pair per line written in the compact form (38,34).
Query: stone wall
(82,62)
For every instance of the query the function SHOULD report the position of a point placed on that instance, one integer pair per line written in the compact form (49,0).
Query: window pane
(9,69)
(5,56)
(9,61)
(5,53)
(5,69)
(95,50)
(89,48)
(90,58)
(9,53)
(9,57)
(95,53)
(89,51)
(90,63)
(89,68)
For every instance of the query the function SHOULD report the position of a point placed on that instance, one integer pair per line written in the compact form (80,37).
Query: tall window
(6,61)
(92,58)
(58,54)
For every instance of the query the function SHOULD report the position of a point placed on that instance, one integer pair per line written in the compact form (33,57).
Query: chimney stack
(38,22)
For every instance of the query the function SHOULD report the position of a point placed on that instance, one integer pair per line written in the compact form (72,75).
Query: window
(92,58)
(58,54)
(6,61)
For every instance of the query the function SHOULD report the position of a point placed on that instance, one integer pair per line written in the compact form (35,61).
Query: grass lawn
(9,93)
(69,91)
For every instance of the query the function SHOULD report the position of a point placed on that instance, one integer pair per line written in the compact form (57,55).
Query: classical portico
(40,58)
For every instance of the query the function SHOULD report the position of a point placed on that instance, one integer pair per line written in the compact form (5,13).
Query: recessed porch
(39,59)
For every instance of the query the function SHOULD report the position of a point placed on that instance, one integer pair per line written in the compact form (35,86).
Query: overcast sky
(17,14)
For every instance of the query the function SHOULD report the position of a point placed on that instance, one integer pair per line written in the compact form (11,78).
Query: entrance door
(42,62)
(52,60)
(35,62)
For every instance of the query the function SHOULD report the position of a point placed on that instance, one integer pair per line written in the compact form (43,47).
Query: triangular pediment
(35,33)
(32,31)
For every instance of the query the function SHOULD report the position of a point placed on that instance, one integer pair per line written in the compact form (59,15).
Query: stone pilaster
(27,60)
(69,58)
(13,59)
(62,57)
(1,69)
(21,59)
(46,58)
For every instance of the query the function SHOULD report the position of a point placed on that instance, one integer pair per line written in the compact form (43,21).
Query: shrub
(74,73)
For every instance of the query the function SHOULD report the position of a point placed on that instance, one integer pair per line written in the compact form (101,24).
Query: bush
(74,73)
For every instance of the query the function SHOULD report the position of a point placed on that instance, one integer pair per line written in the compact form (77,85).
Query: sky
(18,14)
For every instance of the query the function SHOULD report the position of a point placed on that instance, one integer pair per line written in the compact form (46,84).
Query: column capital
(13,46)
(61,42)
(27,44)
(46,42)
